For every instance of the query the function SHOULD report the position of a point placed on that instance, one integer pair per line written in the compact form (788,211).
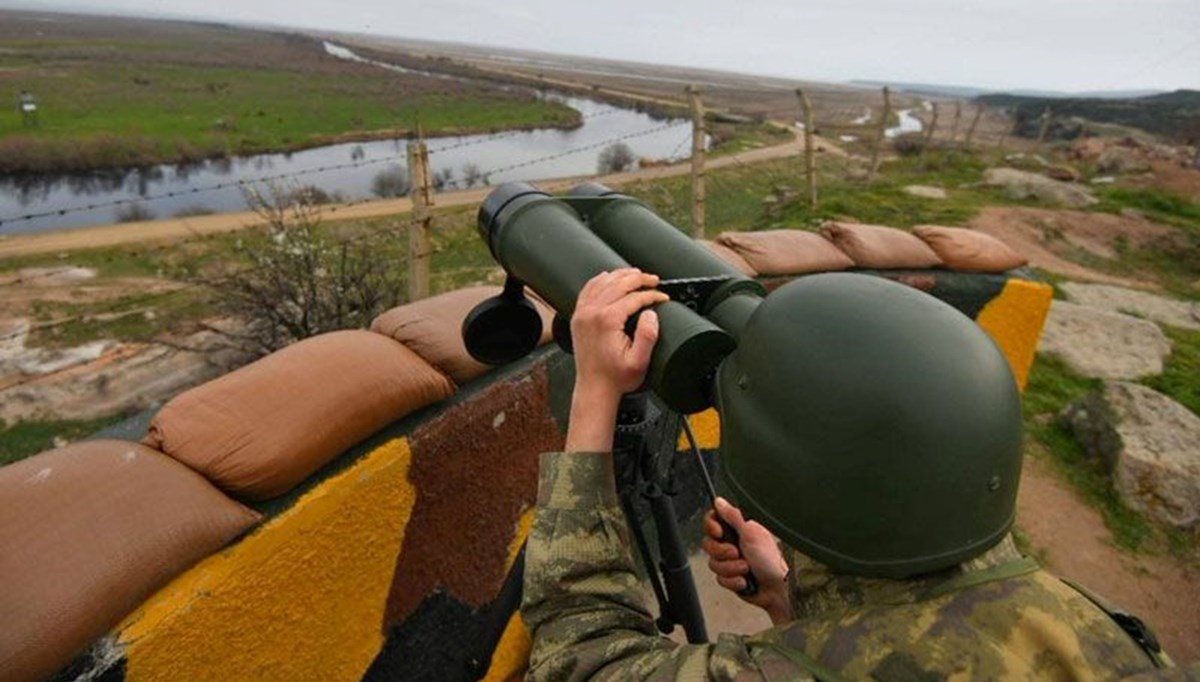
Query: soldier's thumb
(731,514)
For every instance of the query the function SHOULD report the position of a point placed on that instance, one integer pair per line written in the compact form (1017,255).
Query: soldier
(969,606)
(28,108)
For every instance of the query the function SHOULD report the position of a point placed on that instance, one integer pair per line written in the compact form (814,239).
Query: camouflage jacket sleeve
(583,601)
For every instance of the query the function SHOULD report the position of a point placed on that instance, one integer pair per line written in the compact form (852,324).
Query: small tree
(295,279)
(471,173)
(615,158)
(391,182)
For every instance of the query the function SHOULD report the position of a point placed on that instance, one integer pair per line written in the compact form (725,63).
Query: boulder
(1151,444)
(1103,344)
(926,192)
(1122,160)
(1177,313)
(1019,184)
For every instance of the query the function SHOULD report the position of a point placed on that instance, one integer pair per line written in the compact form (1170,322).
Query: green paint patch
(29,438)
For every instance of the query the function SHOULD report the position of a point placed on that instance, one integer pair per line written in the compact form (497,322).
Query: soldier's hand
(759,551)
(608,363)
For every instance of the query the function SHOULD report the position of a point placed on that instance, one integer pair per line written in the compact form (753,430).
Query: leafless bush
(442,178)
(909,144)
(132,213)
(391,182)
(297,279)
(471,174)
(615,158)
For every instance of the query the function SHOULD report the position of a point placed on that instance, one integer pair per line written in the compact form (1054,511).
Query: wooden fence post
(957,118)
(1047,116)
(876,152)
(421,227)
(971,128)
(697,161)
(810,151)
(932,125)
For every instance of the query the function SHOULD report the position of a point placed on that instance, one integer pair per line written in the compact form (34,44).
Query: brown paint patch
(475,471)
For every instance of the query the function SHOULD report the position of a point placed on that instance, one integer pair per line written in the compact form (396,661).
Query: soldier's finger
(732,584)
(729,569)
(720,550)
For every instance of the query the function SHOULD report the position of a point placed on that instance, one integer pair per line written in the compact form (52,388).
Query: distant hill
(972,92)
(1173,115)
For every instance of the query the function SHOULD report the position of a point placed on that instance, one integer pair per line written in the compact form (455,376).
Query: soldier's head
(871,427)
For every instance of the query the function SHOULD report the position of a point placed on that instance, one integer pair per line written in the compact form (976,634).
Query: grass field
(122,92)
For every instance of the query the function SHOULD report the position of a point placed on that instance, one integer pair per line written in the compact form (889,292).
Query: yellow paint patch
(301,598)
(1014,319)
(524,524)
(511,657)
(707,427)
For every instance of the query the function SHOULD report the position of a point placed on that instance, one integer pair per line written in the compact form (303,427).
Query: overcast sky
(1071,45)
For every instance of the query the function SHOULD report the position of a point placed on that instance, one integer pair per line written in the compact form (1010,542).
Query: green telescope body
(867,424)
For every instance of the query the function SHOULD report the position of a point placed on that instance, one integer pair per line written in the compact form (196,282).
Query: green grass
(1180,379)
(101,106)
(29,438)
(1159,205)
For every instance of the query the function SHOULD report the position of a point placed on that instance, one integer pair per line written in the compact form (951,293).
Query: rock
(1103,344)
(926,192)
(1151,444)
(1104,180)
(1121,160)
(1024,185)
(1062,173)
(1185,314)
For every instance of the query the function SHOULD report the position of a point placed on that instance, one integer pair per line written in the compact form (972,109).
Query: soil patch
(1070,538)
(1048,237)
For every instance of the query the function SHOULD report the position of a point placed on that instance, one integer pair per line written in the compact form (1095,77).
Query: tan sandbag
(885,248)
(432,327)
(87,532)
(968,250)
(729,256)
(785,252)
(258,431)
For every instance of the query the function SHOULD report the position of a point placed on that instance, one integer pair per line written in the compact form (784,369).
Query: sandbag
(87,532)
(260,430)
(432,327)
(729,256)
(885,248)
(969,251)
(785,252)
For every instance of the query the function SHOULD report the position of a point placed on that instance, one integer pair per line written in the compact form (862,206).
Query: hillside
(1173,115)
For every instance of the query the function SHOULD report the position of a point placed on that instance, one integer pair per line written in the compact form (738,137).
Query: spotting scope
(867,423)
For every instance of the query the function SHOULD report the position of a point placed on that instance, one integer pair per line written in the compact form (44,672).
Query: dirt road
(182,228)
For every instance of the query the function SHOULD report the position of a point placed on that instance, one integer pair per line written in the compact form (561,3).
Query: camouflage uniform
(996,617)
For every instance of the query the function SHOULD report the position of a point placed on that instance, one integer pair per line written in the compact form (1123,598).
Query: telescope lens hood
(497,201)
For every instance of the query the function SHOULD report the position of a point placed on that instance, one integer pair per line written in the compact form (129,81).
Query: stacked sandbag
(87,532)
(729,256)
(259,431)
(840,245)
(785,252)
(880,248)
(432,328)
(968,250)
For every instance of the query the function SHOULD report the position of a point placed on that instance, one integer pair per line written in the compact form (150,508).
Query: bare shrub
(132,213)
(295,279)
(471,174)
(909,144)
(311,194)
(442,178)
(193,211)
(392,181)
(615,158)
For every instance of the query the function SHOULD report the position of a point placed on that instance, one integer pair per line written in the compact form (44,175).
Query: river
(38,203)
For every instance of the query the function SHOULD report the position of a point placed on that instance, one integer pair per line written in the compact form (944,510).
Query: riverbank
(195,226)
(120,93)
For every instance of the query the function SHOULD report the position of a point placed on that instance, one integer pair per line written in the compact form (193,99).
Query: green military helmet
(871,426)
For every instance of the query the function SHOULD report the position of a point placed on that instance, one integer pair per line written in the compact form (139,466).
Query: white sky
(1072,45)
